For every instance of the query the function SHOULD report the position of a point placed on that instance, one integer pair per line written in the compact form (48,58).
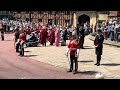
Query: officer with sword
(73,50)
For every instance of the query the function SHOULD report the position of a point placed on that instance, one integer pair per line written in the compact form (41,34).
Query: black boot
(99,59)
(75,72)
(70,70)
(96,64)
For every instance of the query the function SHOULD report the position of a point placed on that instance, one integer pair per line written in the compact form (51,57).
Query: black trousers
(98,59)
(17,47)
(72,60)
(51,43)
(81,42)
(2,36)
(44,44)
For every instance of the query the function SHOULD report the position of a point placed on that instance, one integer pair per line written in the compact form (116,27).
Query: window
(18,11)
(26,11)
(39,20)
(68,12)
(59,12)
(56,12)
(63,12)
(56,21)
(40,12)
(49,12)
(27,19)
(67,21)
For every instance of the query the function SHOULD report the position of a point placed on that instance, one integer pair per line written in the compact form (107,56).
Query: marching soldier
(98,42)
(74,50)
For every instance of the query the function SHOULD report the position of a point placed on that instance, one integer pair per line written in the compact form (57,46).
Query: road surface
(13,66)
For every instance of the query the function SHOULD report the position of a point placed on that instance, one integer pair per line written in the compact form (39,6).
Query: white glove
(78,52)
(17,41)
(66,53)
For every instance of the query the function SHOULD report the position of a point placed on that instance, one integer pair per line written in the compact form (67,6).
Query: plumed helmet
(74,35)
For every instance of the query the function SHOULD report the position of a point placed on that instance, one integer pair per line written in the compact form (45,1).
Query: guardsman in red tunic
(19,41)
(74,50)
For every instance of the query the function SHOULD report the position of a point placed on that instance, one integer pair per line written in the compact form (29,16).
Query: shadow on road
(7,40)
(110,64)
(30,55)
(86,61)
(87,72)
(27,51)
(88,48)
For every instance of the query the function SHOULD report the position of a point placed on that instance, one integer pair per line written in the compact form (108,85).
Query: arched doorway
(83,19)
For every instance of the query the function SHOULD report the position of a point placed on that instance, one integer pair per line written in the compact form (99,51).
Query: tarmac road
(13,66)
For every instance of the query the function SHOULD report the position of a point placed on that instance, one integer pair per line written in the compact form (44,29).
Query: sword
(68,56)
(69,59)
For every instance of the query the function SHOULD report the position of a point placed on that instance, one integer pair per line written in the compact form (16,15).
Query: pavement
(36,64)
(55,56)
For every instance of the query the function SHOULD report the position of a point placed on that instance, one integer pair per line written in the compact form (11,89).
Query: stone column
(74,20)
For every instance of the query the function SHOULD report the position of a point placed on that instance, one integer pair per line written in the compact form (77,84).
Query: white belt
(73,48)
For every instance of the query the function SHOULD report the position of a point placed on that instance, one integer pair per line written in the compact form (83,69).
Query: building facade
(3,14)
(62,18)
(114,15)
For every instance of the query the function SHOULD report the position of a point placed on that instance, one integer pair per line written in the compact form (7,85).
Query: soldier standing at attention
(98,42)
(74,50)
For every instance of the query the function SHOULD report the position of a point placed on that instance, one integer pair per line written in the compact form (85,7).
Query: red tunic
(40,27)
(35,28)
(21,38)
(73,47)
(29,28)
(52,36)
(43,36)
